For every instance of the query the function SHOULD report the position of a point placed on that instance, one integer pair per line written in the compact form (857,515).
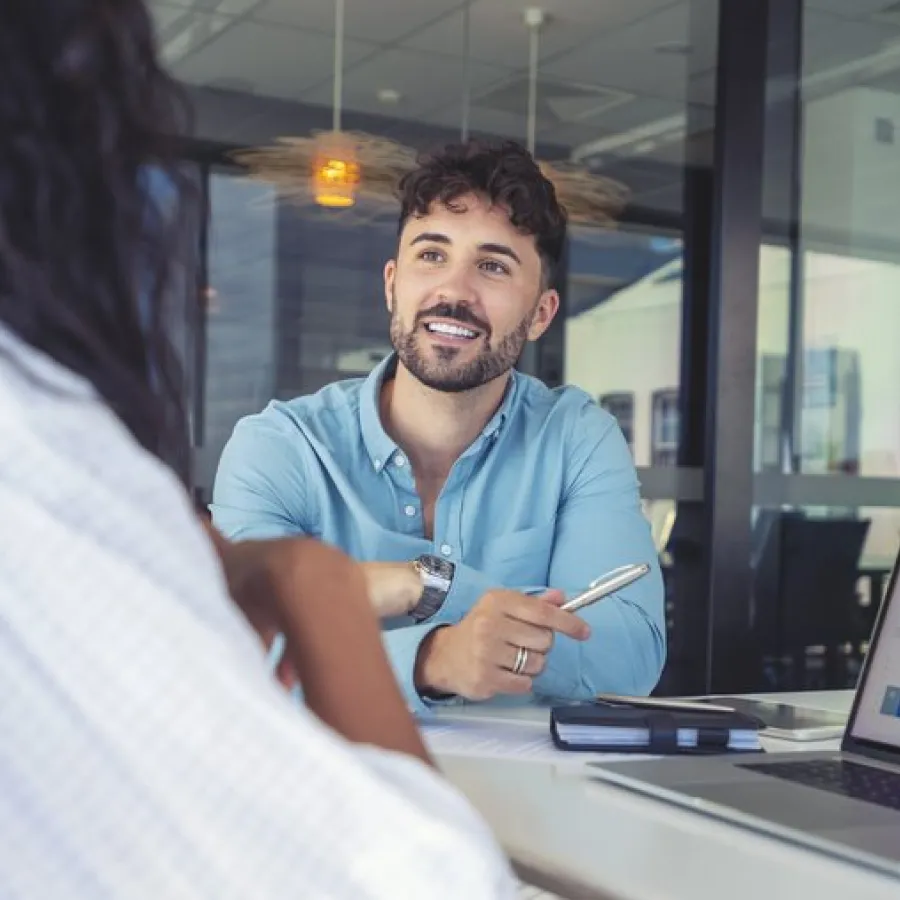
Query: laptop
(845,803)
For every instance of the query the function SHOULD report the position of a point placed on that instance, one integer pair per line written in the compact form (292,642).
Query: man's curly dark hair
(507,175)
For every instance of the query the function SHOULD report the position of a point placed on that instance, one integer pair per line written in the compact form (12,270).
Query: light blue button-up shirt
(547,495)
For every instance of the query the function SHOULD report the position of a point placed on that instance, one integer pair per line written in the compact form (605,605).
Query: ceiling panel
(814,22)
(498,33)
(635,113)
(211,7)
(425,83)
(703,89)
(619,119)
(188,34)
(850,9)
(574,135)
(505,125)
(265,59)
(830,42)
(639,59)
(889,82)
(377,20)
(166,14)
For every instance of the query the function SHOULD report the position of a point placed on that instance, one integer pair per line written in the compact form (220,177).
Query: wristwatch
(437,577)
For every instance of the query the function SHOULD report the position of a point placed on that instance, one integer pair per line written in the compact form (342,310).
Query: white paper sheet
(508,740)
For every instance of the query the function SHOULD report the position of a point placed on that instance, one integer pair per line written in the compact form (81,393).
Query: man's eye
(430,256)
(494,267)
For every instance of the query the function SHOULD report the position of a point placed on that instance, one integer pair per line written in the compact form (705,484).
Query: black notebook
(617,728)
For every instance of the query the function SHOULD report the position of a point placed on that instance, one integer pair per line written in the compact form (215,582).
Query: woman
(145,750)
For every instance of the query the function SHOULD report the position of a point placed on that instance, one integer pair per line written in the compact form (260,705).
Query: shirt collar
(380,446)
(498,420)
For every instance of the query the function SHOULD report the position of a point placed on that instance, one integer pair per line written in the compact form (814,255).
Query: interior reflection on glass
(849,418)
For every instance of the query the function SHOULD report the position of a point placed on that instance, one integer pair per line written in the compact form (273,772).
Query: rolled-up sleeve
(600,526)
(260,490)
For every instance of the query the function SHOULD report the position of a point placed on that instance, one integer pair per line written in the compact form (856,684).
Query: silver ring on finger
(521,661)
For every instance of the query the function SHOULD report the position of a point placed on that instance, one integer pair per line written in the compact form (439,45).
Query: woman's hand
(320,600)
(252,571)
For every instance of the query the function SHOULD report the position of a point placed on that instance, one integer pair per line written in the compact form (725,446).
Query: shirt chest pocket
(519,559)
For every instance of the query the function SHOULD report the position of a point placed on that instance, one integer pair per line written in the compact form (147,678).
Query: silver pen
(607,584)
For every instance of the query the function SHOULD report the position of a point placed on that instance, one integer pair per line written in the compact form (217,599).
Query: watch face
(437,566)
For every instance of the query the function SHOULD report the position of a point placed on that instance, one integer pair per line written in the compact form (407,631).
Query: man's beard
(444,373)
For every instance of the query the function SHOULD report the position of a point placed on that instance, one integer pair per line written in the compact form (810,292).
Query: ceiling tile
(424,82)
(265,59)
(498,33)
(640,111)
(625,117)
(835,42)
(229,8)
(383,21)
(182,33)
(850,9)
(165,14)
(634,58)
(504,125)
(703,89)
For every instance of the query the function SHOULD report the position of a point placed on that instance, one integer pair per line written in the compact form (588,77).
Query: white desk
(586,839)
(837,701)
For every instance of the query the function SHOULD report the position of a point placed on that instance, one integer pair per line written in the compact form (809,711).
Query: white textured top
(145,752)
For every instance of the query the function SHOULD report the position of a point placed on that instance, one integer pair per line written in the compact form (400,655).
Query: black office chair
(806,608)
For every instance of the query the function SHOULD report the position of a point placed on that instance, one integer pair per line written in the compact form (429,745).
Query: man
(476,497)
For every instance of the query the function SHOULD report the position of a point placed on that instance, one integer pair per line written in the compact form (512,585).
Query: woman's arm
(317,597)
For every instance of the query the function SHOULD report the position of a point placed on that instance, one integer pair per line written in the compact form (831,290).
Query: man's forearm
(406,646)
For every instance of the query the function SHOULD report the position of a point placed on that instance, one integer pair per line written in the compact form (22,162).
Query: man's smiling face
(465,293)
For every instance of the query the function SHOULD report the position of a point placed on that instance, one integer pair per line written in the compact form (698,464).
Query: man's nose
(457,287)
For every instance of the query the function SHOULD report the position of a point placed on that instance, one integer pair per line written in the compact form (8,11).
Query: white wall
(632,343)
(851,171)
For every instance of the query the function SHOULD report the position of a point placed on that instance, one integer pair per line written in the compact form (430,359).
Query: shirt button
(377,463)
(409,510)
(400,461)
(446,549)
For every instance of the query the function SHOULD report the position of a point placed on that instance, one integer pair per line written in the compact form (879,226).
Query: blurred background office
(741,320)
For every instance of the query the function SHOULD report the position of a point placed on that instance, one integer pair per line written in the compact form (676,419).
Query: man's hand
(475,659)
(394,588)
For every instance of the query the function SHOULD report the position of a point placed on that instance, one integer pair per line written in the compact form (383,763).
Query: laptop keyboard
(843,777)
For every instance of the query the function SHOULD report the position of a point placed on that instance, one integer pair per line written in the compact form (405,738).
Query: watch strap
(437,578)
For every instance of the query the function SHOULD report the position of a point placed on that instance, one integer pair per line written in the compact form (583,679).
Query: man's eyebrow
(431,237)
(500,250)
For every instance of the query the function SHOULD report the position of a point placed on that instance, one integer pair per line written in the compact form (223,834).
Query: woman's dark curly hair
(504,173)
(89,250)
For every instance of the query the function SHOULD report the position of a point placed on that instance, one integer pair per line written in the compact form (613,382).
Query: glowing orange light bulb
(335,172)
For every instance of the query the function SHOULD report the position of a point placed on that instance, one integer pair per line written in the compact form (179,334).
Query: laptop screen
(878,713)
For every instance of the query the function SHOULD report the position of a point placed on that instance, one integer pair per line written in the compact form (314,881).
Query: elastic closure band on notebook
(663,733)
(713,738)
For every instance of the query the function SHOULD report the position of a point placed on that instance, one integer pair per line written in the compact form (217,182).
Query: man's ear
(544,313)
(390,274)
